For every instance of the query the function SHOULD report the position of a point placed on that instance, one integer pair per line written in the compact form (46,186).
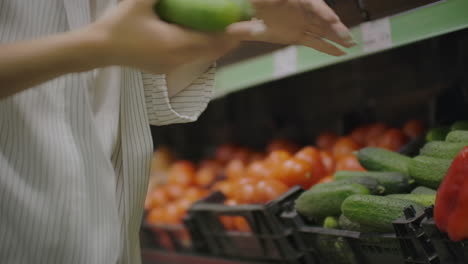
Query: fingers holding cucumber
(297,22)
(291,22)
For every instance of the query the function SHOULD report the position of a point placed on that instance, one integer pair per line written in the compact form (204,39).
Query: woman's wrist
(91,48)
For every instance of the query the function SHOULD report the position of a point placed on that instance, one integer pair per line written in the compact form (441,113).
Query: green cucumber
(379,159)
(247,9)
(369,182)
(438,133)
(347,224)
(457,136)
(392,182)
(376,211)
(422,199)
(423,190)
(428,171)
(442,149)
(204,15)
(325,199)
(460,125)
(330,222)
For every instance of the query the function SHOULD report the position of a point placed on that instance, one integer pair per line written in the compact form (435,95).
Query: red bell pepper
(451,207)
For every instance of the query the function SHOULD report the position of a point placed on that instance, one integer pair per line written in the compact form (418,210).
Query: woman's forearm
(28,63)
(183,76)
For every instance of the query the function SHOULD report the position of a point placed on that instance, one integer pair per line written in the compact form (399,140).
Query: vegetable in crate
(423,190)
(428,171)
(451,208)
(442,149)
(422,199)
(347,224)
(376,211)
(460,125)
(330,222)
(204,15)
(438,133)
(325,199)
(378,159)
(457,136)
(392,182)
(368,182)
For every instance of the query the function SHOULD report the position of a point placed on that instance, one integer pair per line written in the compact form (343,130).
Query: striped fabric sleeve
(183,107)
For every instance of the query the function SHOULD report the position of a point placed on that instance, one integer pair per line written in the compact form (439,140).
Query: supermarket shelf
(161,257)
(405,28)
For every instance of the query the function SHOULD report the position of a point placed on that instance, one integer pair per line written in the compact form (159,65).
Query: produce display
(398,182)
(360,198)
(246,176)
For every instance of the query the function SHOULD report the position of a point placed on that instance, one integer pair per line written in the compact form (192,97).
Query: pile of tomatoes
(248,177)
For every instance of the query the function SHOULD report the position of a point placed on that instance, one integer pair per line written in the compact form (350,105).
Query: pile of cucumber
(371,201)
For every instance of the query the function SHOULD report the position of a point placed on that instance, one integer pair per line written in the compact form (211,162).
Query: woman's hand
(299,22)
(129,34)
(132,35)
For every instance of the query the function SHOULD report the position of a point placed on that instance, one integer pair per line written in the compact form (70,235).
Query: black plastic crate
(408,245)
(449,252)
(269,240)
(174,238)
(322,244)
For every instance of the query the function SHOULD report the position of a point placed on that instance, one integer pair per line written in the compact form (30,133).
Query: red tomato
(236,169)
(155,216)
(359,135)
(242,154)
(328,161)
(211,163)
(173,213)
(174,191)
(328,178)
(194,194)
(205,176)
(225,187)
(413,128)
(230,202)
(393,140)
(282,144)
(308,154)
(182,206)
(312,156)
(326,140)
(295,171)
(374,132)
(349,162)
(246,192)
(259,169)
(157,198)
(228,221)
(225,152)
(241,224)
(245,180)
(344,146)
(256,157)
(182,173)
(215,165)
(278,156)
(270,189)
(374,142)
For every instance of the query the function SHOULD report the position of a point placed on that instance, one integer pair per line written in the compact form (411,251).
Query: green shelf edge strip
(419,24)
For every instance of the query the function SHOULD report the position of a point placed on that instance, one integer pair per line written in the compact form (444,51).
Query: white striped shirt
(62,198)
